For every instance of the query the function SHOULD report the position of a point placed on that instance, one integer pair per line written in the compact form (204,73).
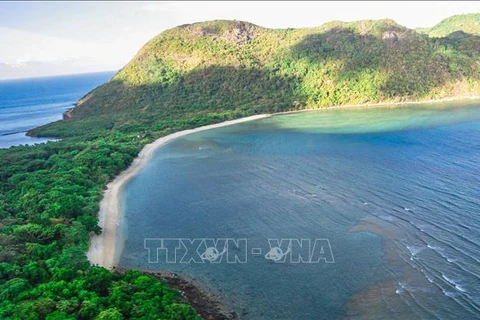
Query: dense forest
(231,65)
(186,77)
(455,25)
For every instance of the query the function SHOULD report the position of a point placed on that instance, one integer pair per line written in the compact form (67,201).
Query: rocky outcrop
(67,114)
(237,32)
(390,36)
(240,34)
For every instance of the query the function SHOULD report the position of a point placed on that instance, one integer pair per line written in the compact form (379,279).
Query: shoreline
(383,104)
(205,303)
(103,248)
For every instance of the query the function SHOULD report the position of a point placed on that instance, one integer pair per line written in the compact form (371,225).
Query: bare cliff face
(240,34)
(234,32)
(390,36)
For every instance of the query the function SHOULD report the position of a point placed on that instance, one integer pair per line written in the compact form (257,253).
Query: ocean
(29,103)
(338,214)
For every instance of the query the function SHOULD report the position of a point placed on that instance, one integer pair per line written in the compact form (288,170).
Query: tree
(110,314)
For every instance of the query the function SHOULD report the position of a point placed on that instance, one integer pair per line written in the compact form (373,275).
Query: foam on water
(326,175)
(414,250)
(454,283)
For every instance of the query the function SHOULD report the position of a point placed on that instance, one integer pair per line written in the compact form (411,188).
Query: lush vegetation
(186,77)
(467,23)
(228,65)
(49,198)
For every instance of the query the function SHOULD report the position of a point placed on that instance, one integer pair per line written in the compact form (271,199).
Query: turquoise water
(394,190)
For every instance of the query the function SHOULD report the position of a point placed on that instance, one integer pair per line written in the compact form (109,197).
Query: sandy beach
(104,249)
(397,104)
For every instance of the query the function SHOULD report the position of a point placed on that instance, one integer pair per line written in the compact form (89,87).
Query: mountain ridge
(186,78)
(366,61)
(467,23)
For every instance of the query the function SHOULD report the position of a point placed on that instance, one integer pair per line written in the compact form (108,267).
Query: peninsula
(190,77)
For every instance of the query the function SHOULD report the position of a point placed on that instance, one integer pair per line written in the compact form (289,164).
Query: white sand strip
(104,248)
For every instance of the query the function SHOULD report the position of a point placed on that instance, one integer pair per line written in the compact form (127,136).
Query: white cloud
(106,35)
(46,55)
(111,53)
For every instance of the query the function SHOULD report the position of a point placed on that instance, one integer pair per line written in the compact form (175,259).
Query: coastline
(103,248)
(384,104)
(205,302)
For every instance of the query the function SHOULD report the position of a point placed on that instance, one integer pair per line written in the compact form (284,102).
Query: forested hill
(186,77)
(459,24)
(234,65)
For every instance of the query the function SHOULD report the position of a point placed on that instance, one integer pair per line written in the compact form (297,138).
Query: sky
(52,38)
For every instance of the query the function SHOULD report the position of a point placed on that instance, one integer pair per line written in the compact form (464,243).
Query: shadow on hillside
(203,92)
(391,62)
(211,89)
(412,64)
(466,43)
(354,51)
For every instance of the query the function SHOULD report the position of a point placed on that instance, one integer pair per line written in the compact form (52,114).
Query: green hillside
(464,23)
(186,77)
(229,65)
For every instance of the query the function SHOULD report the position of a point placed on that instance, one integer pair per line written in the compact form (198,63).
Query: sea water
(28,103)
(395,191)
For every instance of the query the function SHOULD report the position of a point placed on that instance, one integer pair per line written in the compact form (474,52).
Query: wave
(440,251)
(414,250)
(454,283)
(459,264)
(435,248)
(404,287)
(386,217)
(449,294)
(438,233)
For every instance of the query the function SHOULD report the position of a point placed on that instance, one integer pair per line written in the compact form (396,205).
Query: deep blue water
(28,103)
(394,190)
